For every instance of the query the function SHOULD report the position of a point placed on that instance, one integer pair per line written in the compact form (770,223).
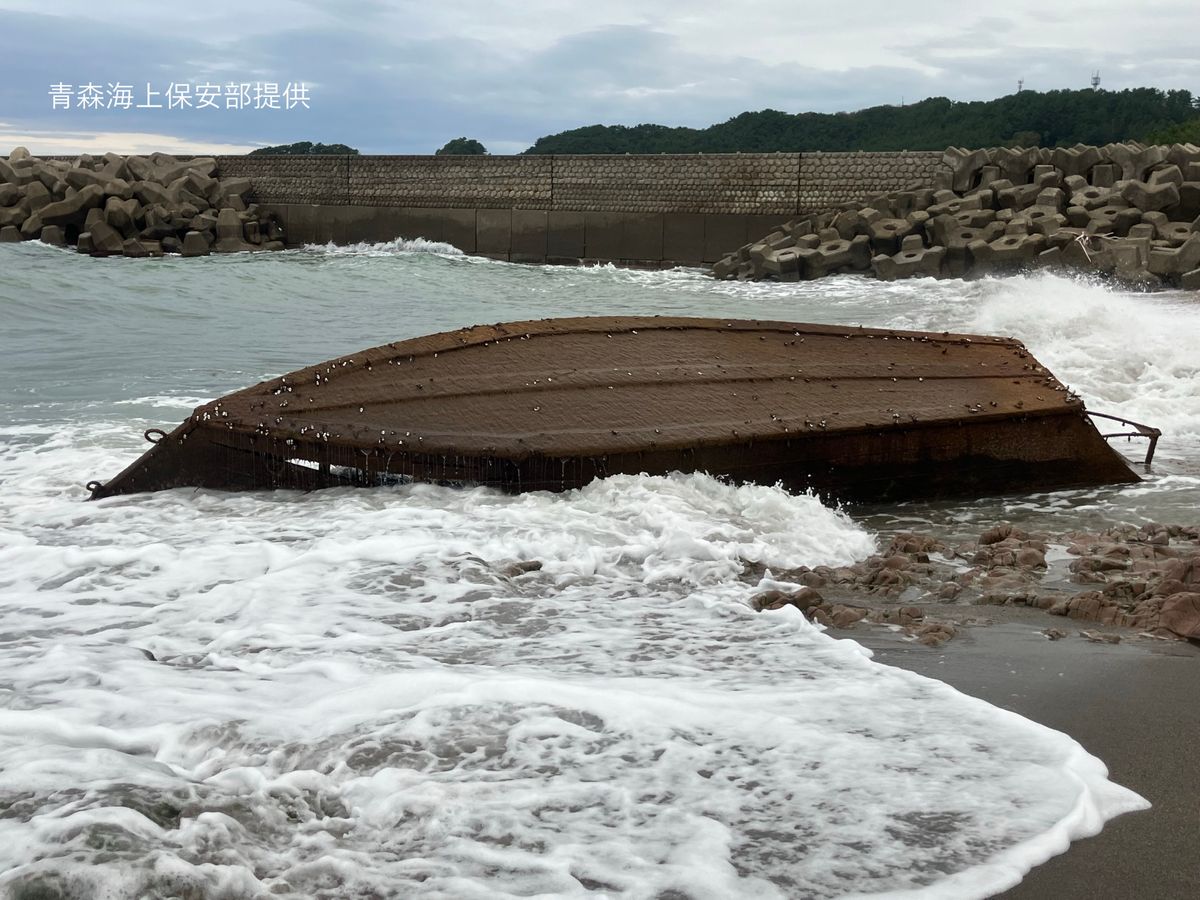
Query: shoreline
(1132,704)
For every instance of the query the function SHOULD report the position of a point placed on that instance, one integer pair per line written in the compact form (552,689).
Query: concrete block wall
(827,180)
(291,179)
(750,183)
(480,182)
(646,210)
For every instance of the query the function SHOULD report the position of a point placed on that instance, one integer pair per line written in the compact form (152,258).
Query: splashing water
(1130,354)
(372,249)
(350,691)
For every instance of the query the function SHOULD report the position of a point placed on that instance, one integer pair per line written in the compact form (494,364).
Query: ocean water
(419,691)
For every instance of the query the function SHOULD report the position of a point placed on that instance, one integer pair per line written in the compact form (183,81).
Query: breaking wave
(422,691)
(384,248)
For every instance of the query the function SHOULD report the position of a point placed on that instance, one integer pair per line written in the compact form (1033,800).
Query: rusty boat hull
(853,413)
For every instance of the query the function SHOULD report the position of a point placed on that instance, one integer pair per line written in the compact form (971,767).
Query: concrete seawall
(637,210)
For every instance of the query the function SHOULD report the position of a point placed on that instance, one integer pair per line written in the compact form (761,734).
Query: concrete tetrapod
(152,200)
(1088,204)
(913,260)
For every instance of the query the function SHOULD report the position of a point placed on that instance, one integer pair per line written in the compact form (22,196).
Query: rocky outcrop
(1143,577)
(1124,210)
(131,206)
(1181,614)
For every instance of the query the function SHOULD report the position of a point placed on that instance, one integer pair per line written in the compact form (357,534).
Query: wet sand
(1136,705)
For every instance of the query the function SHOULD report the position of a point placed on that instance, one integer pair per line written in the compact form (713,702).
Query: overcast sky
(405,77)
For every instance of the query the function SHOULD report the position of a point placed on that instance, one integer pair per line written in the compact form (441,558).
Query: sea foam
(384,248)
(1129,354)
(347,692)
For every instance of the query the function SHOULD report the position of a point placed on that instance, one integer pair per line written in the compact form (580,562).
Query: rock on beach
(1145,578)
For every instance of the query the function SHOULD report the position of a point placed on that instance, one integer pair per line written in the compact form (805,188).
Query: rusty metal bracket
(1147,431)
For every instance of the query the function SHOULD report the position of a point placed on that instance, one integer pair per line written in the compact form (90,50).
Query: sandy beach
(1133,704)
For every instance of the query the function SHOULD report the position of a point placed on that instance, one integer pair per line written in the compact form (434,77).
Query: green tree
(305,148)
(1183,133)
(462,147)
(1049,118)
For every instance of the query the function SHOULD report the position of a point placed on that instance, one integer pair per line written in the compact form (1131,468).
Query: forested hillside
(1028,118)
(305,148)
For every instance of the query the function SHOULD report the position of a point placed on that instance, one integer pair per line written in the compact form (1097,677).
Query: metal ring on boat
(93,486)
(152,431)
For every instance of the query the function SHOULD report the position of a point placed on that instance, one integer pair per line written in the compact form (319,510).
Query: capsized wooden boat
(549,405)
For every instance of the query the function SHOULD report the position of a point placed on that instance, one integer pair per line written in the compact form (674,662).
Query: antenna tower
(1096,80)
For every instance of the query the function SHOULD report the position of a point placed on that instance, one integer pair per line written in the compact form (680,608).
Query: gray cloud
(405,77)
